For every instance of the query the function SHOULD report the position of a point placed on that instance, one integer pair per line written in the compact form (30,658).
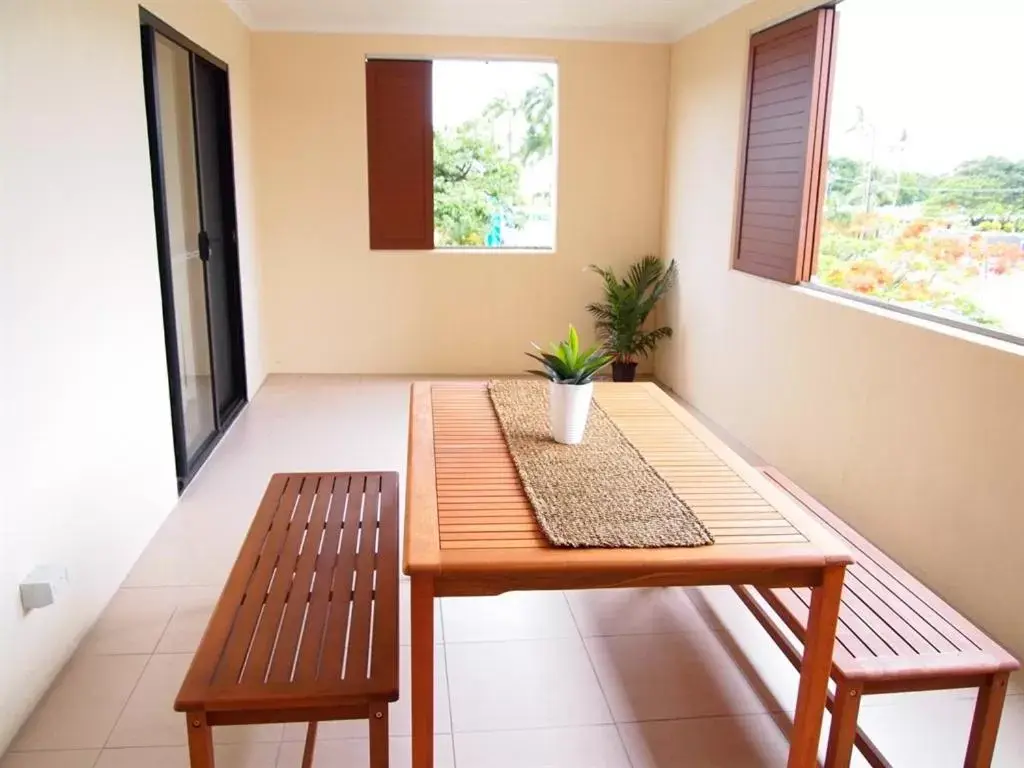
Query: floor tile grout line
(600,687)
(447,679)
(167,626)
(127,701)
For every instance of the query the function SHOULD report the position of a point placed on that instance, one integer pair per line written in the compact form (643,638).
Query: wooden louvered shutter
(400,154)
(783,183)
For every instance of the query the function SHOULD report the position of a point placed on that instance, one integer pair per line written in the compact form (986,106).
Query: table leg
(310,749)
(422,626)
(843,734)
(200,741)
(379,736)
(815,668)
(987,710)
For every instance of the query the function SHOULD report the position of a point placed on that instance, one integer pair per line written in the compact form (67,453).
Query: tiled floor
(606,679)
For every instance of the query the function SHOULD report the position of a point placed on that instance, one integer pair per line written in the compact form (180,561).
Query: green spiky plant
(566,363)
(621,317)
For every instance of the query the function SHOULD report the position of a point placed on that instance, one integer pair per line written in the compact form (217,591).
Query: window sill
(963,331)
(470,252)
(493,251)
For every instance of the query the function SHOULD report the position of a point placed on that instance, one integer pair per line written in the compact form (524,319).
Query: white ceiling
(637,20)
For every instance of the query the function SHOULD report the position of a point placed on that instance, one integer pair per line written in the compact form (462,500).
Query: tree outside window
(494,154)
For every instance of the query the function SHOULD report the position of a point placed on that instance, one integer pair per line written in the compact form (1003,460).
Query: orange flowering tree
(921,264)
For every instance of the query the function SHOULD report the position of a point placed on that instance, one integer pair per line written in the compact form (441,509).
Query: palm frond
(644,273)
(620,319)
(649,340)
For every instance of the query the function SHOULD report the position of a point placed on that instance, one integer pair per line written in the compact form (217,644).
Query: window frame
(386,244)
(816,168)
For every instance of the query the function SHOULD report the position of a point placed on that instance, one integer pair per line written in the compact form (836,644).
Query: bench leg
(200,741)
(987,711)
(379,736)
(310,748)
(815,668)
(843,733)
(422,626)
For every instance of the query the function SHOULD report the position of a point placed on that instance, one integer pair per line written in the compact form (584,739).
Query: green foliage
(905,269)
(853,183)
(932,258)
(566,363)
(991,188)
(476,178)
(915,188)
(844,174)
(538,107)
(472,183)
(628,302)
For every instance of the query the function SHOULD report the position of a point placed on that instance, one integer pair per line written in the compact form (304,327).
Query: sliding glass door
(193,183)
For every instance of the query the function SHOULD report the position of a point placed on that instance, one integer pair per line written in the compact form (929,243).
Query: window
(920,201)
(461,154)
(785,134)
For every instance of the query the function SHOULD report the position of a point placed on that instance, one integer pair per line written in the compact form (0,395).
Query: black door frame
(186,466)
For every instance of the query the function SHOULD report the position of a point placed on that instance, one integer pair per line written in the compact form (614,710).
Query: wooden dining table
(470,530)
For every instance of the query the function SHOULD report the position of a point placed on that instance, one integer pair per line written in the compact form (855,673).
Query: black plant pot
(623,371)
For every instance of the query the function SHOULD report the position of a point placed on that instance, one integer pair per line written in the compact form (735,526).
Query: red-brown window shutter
(400,154)
(785,149)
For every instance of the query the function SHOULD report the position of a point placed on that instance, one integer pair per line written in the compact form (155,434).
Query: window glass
(494,154)
(924,201)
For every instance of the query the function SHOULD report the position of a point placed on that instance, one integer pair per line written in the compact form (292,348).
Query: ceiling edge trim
(652,37)
(711,13)
(242,11)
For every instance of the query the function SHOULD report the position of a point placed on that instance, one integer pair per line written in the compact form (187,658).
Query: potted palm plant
(621,317)
(570,372)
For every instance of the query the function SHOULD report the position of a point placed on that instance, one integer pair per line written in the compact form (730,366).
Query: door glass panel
(183,224)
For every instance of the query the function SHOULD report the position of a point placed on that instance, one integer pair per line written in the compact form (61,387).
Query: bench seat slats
(283,666)
(309,615)
(357,649)
(273,595)
(877,576)
(326,661)
(790,604)
(250,607)
(308,664)
(890,625)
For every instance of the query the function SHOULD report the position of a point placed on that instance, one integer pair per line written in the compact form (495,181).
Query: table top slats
(472,513)
(309,615)
(466,428)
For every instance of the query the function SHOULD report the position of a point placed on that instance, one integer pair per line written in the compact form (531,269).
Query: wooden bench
(306,628)
(894,635)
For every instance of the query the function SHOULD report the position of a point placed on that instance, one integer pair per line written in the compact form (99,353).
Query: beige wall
(87,464)
(912,433)
(332,305)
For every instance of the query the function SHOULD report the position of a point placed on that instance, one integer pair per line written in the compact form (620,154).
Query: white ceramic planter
(568,408)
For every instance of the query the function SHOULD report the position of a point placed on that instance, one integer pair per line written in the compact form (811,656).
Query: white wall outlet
(42,587)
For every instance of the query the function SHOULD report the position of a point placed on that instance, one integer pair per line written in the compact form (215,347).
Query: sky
(464,87)
(947,72)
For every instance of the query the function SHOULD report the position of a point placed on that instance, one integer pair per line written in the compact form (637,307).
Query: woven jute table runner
(600,493)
